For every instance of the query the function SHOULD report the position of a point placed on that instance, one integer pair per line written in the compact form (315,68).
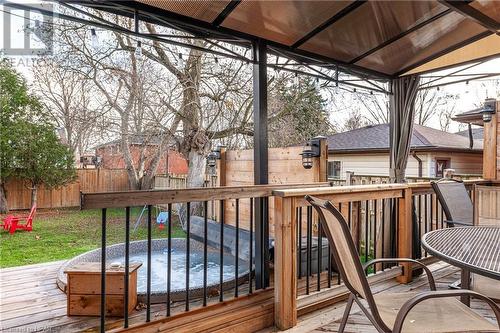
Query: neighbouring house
(365,151)
(172,162)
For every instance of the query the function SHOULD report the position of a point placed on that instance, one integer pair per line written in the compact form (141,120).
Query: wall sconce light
(489,109)
(213,156)
(311,150)
(212,159)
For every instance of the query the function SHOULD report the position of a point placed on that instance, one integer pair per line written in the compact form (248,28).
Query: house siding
(378,164)
(112,158)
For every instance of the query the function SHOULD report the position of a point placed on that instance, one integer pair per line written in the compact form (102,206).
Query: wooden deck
(31,302)
(328,319)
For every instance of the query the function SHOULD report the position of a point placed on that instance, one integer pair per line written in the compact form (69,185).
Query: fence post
(323,160)
(285,265)
(405,234)
(221,167)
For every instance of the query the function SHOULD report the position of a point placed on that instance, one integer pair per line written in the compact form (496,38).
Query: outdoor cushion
(438,315)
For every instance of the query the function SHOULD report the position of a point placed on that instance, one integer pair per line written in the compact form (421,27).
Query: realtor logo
(26,30)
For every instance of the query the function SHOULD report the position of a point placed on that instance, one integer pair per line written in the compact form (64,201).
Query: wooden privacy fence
(89,180)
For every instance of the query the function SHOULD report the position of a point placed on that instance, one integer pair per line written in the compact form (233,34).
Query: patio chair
(456,203)
(11,223)
(458,208)
(433,311)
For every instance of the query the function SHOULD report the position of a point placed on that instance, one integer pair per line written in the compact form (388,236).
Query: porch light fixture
(489,109)
(311,150)
(212,158)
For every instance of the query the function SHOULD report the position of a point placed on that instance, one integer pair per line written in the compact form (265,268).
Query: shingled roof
(375,138)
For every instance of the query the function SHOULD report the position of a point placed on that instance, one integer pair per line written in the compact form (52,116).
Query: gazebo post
(259,52)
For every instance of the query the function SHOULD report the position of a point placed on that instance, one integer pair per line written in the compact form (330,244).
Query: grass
(63,234)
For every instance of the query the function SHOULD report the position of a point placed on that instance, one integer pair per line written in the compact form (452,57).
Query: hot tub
(159,269)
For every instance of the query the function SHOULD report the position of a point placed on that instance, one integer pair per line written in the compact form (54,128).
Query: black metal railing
(230,231)
(208,242)
(373,228)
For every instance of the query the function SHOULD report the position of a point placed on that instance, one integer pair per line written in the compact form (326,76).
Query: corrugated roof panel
(435,37)
(369,26)
(205,10)
(281,21)
(490,8)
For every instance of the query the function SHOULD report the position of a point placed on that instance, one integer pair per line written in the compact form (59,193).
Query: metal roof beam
(463,8)
(445,51)
(401,35)
(351,7)
(229,8)
(459,81)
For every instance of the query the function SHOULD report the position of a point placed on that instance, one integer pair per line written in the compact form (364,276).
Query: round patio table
(473,249)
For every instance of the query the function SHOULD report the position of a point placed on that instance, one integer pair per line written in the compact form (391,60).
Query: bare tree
(68,97)
(354,121)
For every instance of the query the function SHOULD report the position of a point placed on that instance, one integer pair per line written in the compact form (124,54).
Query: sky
(469,95)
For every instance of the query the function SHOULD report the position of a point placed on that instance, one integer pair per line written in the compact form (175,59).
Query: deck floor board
(31,302)
(328,319)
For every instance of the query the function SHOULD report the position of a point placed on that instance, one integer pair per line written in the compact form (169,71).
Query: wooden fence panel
(89,180)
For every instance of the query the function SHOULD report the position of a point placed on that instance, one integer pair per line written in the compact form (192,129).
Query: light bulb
(138,50)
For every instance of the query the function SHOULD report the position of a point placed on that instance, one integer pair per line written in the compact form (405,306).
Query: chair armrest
(430,277)
(408,305)
(459,223)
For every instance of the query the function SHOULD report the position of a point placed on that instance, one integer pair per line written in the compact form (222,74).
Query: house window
(441,165)
(334,169)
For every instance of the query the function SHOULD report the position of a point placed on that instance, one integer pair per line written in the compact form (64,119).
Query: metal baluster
(169,257)
(188,251)
(431,215)
(148,287)
(251,248)
(383,231)
(320,250)
(309,245)
(237,244)
(127,258)
(300,241)
(221,252)
(419,224)
(375,234)
(367,246)
(103,271)
(426,211)
(205,251)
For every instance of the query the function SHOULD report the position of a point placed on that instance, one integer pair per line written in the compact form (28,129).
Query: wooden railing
(382,219)
(389,209)
(251,254)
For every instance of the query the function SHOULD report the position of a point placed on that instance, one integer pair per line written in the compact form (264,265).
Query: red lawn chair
(13,223)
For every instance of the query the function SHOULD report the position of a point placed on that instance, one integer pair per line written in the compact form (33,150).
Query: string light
(138,50)
(94,40)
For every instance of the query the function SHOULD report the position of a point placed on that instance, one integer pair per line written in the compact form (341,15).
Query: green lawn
(63,234)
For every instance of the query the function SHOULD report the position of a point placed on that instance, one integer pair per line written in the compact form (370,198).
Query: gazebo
(384,43)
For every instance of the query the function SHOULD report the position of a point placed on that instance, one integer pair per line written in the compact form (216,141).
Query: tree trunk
(34,192)
(195,178)
(3,199)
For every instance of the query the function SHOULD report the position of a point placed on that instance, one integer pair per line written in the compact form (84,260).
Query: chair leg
(347,310)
